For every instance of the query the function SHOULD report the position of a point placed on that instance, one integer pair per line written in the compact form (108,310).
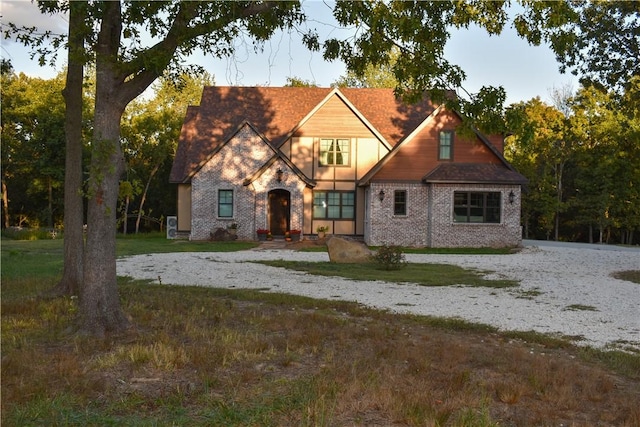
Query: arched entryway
(279,211)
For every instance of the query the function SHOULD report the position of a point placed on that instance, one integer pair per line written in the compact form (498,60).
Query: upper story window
(225,203)
(477,207)
(445,145)
(333,204)
(399,202)
(334,152)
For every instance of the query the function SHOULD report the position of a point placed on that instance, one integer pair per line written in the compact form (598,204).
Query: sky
(524,71)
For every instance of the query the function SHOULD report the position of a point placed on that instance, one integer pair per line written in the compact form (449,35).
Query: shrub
(389,257)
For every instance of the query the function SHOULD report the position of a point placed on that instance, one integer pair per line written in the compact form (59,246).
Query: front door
(279,211)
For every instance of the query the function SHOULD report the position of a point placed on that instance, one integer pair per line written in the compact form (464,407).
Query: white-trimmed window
(400,202)
(476,207)
(445,145)
(334,205)
(225,203)
(335,152)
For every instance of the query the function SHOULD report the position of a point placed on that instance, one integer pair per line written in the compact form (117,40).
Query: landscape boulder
(347,252)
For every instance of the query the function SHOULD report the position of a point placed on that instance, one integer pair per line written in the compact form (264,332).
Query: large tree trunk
(100,311)
(73,199)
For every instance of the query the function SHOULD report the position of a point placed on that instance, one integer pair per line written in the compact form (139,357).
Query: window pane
(477,207)
(400,203)
(334,204)
(333,212)
(348,212)
(325,156)
(225,211)
(333,198)
(342,152)
(476,199)
(320,204)
(446,140)
(226,196)
(347,199)
(319,212)
(460,214)
(334,151)
(225,203)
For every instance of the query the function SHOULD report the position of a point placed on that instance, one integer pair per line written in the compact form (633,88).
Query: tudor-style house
(358,161)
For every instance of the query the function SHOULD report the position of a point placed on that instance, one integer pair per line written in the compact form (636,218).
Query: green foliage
(582,161)
(298,82)
(150,132)
(389,257)
(32,124)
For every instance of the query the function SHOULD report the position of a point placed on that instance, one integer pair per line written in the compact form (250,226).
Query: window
(334,152)
(445,146)
(334,204)
(476,207)
(225,203)
(399,202)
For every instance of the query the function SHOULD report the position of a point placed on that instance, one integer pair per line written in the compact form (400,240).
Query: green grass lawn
(422,274)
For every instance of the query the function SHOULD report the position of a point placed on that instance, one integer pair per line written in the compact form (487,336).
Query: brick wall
(446,233)
(383,227)
(240,158)
(429,219)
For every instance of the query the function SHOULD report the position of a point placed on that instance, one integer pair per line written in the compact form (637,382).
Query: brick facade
(239,159)
(226,144)
(383,227)
(446,233)
(429,220)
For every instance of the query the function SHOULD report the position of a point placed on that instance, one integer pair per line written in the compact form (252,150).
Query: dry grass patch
(216,357)
(628,275)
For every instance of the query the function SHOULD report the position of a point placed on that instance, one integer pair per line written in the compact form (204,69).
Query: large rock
(347,251)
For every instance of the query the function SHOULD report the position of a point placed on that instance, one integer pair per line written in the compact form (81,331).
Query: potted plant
(233,228)
(262,234)
(295,235)
(287,236)
(322,231)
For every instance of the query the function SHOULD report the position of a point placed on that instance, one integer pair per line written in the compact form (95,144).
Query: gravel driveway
(563,290)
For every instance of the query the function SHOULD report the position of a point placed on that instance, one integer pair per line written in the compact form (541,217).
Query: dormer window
(445,146)
(334,152)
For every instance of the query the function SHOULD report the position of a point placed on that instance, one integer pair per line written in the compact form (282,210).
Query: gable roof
(456,172)
(474,173)
(275,112)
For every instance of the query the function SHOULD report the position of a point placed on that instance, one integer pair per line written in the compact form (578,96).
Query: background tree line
(582,158)
(581,155)
(33,147)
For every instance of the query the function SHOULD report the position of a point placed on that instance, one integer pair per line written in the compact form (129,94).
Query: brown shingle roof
(275,113)
(470,173)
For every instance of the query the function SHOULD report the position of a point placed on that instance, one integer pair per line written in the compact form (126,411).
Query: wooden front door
(279,211)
